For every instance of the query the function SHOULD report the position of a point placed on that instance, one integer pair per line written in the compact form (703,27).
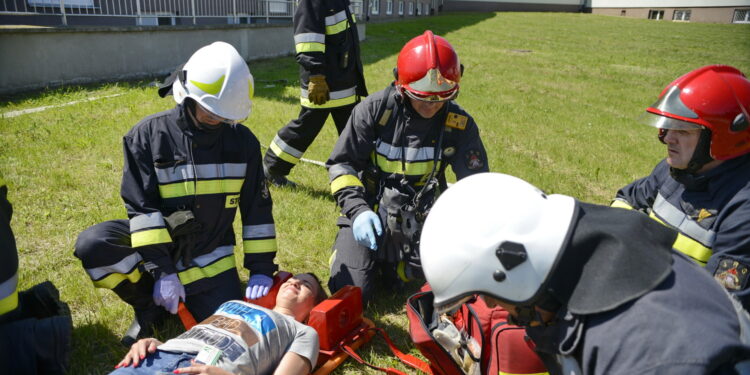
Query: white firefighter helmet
(496,235)
(218,79)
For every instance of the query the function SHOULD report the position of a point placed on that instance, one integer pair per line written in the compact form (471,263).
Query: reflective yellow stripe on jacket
(684,244)
(9,294)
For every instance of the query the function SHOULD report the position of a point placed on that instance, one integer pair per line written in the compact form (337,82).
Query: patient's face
(300,290)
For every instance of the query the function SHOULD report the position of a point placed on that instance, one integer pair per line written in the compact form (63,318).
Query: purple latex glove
(168,291)
(258,286)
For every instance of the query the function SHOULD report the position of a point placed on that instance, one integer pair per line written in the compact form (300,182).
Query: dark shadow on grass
(96,349)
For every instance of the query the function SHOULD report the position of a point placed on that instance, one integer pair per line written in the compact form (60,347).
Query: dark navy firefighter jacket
(170,165)
(713,220)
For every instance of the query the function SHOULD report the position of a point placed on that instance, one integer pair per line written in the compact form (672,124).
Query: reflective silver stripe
(286,148)
(336,18)
(341,94)
(412,154)
(340,170)
(185,172)
(124,266)
(310,38)
(206,259)
(9,286)
(152,220)
(255,231)
(687,226)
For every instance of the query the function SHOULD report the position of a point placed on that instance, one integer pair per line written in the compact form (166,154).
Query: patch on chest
(456,121)
(731,274)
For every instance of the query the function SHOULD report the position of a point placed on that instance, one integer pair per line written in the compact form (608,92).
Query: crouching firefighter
(35,326)
(389,165)
(187,172)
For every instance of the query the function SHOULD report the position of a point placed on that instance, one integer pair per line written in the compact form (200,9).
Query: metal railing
(162,12)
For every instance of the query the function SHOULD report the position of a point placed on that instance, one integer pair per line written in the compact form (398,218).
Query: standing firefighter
(597,288)
(391,159)
(702,188)
(187,172)
(327,44)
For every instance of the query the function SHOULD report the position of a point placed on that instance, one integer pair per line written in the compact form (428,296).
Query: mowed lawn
(557,98)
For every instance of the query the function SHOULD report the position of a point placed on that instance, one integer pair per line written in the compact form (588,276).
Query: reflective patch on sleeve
(474,160)
(731,274)
(456,121)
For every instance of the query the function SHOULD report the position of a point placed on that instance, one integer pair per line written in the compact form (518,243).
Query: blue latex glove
(258,286)
(367,228)
(168,291)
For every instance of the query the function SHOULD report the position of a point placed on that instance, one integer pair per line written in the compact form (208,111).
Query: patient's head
(298,295)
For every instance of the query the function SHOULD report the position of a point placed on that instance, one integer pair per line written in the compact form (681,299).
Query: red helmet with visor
(428,68)
(716,98)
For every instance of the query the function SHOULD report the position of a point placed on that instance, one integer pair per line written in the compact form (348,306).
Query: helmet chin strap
(527,316)
(701,156)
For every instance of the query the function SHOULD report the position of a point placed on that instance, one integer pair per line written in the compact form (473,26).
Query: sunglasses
(440,97)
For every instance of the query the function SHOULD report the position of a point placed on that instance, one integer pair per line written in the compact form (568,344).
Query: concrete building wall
(667,3)
(523,6)
(37,58)
(707,15)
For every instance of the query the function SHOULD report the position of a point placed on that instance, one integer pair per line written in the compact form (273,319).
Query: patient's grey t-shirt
(252,339)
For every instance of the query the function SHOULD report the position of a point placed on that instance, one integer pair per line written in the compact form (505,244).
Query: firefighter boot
(42,301)
(143,324)
(280,181)
(147,313)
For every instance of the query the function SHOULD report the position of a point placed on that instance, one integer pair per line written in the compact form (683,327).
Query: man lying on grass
(240,338)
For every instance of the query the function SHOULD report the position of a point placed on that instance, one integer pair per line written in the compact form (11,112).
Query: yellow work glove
(317,89)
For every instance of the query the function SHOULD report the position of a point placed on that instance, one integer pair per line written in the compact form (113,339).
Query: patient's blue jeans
(159,363)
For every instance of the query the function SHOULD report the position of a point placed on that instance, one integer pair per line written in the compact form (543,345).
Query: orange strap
(407,359)
(185,316)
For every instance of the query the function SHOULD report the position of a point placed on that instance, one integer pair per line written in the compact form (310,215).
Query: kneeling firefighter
(187,172)
(388,166)
(35,326)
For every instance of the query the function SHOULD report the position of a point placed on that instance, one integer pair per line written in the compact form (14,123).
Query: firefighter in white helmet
(187,172)
(599,289)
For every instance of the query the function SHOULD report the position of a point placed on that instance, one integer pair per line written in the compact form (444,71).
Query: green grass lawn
(557,98)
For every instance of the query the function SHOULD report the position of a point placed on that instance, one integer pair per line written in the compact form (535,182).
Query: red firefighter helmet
(428,68)
(716,98)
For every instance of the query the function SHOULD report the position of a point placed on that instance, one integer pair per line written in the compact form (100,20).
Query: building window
(389,7)
(681,15)
(401,8)
(375,7)
(623,13)
(419,9)
(741,16)
(411,8)
(656,14)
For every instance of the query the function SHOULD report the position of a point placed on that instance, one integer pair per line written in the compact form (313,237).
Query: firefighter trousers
(292,140)
(107,256)
(354,264)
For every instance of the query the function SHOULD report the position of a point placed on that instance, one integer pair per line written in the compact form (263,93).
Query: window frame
(747,16)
